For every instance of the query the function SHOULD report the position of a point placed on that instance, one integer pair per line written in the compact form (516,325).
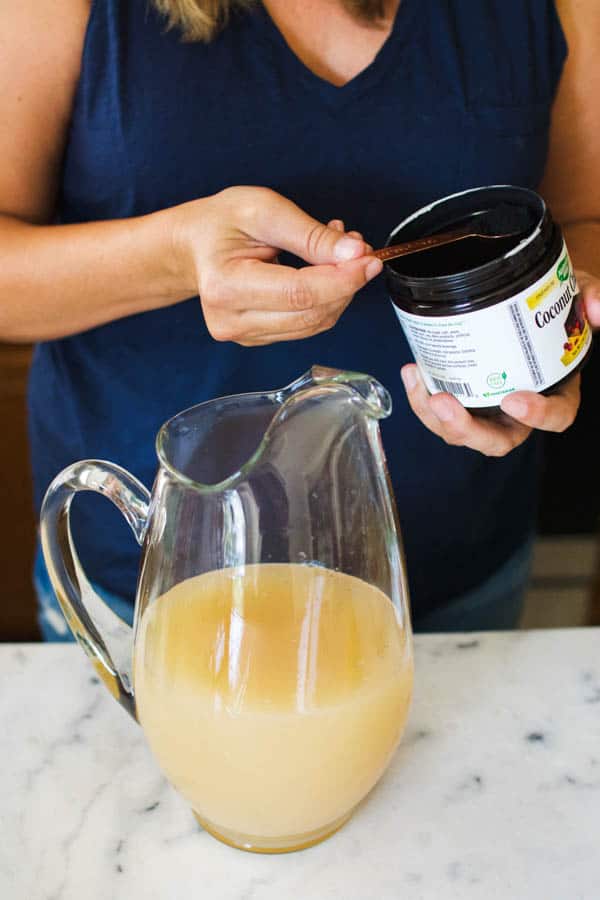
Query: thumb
(590,292)
(288,227)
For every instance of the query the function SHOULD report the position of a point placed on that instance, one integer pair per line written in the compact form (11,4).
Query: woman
(141,170)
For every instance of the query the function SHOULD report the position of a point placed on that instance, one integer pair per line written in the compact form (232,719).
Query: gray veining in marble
(494,793)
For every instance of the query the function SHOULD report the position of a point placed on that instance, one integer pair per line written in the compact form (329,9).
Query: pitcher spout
(374,397)
(215,445)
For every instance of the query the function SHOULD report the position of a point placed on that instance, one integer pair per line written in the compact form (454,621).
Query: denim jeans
(494,605)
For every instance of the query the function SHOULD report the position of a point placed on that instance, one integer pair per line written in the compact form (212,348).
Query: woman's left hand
(523,411)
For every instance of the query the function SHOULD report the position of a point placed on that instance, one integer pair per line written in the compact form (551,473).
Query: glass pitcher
(271,660)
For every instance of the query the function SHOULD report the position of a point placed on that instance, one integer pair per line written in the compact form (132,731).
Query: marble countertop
(494,792)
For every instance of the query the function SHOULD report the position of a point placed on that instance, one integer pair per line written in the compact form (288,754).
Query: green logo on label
(496,380)
(562,270)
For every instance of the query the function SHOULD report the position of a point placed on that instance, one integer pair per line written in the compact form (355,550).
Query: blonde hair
(201,20)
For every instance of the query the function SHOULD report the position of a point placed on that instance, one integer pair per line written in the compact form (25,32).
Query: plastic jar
(486,317)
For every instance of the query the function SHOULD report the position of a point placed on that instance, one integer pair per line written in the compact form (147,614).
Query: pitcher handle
(95,626)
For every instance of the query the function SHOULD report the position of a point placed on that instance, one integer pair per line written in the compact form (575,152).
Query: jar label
(529,341)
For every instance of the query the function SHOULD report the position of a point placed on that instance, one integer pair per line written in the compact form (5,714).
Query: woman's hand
(523,411)
(227,248)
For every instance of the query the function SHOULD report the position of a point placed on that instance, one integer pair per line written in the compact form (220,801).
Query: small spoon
(502,222)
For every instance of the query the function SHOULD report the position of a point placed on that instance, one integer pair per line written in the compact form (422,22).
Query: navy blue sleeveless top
(460,95)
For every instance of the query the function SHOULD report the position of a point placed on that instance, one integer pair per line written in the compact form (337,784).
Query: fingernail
(373,269)
(409,377)
(444,411)
(515,407)
(347,248)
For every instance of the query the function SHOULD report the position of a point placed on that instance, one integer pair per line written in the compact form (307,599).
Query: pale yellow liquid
(273,697)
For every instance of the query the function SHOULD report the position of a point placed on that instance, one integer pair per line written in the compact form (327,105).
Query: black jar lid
(474,272)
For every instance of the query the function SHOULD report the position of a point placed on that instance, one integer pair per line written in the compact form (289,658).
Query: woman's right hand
(226,249)
(59,280)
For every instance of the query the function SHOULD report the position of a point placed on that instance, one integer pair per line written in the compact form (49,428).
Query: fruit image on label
(577,331)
